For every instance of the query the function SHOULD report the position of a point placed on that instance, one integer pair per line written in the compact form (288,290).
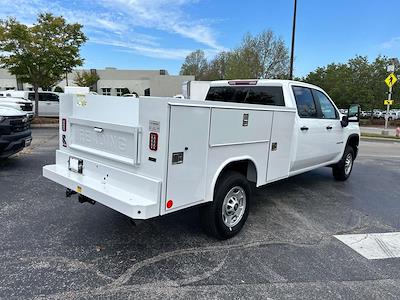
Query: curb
(53,125)
(378,139)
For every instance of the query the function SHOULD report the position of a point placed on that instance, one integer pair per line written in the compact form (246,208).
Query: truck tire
(342,170)
(225,216)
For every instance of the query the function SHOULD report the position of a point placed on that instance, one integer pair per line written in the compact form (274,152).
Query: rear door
(332,142)
(309,131)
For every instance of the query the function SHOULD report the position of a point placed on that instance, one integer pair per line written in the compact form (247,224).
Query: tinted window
(265,95)
(328,110)
(305,102)
(31,96)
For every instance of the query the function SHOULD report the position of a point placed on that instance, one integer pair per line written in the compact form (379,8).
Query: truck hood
(10,112)
(14,100)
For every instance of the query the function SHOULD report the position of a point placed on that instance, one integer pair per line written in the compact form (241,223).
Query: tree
(42,53)
(357,81)
(195,64)
(86,78)
(58,89)
(260,56)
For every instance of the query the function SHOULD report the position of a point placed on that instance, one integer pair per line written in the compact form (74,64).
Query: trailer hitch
(69,193)
(83,199)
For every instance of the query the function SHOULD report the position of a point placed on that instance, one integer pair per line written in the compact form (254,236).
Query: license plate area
(75,164)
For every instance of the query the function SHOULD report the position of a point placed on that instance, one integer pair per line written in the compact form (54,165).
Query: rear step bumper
(127,203)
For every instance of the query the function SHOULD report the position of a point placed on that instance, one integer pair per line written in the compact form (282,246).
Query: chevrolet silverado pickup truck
(15,133)
(20,104)
(147,156)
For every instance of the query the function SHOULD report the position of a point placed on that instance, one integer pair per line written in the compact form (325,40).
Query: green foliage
(195,64)
(58,89)
(260,56)
(40,54)
(86,78)
(357,81)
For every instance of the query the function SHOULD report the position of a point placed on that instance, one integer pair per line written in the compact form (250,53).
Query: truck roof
(258,82)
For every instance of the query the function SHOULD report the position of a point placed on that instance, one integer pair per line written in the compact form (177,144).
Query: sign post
(390,81)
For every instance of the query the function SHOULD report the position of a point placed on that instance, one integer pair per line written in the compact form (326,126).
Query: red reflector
(242,82)
(153,142)
(170,203)
(64,124)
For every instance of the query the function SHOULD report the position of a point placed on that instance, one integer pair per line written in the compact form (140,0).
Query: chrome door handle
(98,129)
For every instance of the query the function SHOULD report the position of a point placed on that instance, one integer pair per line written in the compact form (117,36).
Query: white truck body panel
(196,140)
(195,90)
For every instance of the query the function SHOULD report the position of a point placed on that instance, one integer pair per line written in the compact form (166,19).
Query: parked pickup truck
(20,104)
(149,156)
(15,133)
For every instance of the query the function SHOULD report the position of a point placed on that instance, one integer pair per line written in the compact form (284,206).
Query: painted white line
(373,245)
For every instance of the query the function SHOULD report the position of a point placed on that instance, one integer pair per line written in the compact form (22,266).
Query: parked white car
(152,156)
(48,101)
(23,105)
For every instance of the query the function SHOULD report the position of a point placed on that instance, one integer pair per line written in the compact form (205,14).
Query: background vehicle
(130,95)
(20,104)
(365,114)
(377,114)
(151,156)
(48,101)
(15,133)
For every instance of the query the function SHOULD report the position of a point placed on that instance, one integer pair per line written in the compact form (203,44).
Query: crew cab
(147,156)
(15,133)
(20,104)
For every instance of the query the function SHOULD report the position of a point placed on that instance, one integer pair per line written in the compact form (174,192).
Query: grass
(377,135)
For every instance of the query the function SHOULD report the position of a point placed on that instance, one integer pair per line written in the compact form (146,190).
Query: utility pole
(293,36)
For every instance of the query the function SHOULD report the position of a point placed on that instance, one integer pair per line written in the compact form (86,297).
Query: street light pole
(293,35)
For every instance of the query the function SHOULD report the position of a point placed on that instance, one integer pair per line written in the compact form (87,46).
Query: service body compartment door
(281,146)
(187,156)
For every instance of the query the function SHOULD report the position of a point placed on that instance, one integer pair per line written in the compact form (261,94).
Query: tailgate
(103,128)
(115,142)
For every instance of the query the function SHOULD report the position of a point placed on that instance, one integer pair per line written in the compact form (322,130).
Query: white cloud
(393,43)
(120,23)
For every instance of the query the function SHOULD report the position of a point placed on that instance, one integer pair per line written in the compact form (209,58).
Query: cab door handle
(329,127)
(304,128)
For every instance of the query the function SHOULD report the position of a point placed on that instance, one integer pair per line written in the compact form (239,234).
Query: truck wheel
(225,216)
(342,170)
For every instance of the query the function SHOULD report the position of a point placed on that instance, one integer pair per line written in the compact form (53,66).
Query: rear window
(265,95)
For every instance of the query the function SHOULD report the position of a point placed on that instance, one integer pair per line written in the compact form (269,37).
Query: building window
(10,88)
(106,91)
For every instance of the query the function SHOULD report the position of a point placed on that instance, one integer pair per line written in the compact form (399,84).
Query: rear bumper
(130,194)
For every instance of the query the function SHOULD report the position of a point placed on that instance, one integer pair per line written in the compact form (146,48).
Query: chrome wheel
(234,206)
(348,164)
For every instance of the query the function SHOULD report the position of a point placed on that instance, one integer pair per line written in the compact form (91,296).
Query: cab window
(264,95)
(306,107)
(327,108)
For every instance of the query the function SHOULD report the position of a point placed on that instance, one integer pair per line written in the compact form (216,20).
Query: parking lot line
(373,245)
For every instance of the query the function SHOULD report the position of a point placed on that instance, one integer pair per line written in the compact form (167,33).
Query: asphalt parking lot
(53,247)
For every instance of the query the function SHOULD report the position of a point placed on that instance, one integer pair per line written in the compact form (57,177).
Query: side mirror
(353,113)
(345,121)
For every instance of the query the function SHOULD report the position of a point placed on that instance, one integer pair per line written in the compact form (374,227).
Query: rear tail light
(153,141)
(64,125)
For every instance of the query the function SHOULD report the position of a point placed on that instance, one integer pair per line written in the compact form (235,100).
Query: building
(114,82)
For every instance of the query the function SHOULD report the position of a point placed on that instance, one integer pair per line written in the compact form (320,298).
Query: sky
(158,34)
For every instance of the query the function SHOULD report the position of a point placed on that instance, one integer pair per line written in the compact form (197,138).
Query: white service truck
(148,156)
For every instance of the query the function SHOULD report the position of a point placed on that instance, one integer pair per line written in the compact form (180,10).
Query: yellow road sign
(388,102)
(391,80)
